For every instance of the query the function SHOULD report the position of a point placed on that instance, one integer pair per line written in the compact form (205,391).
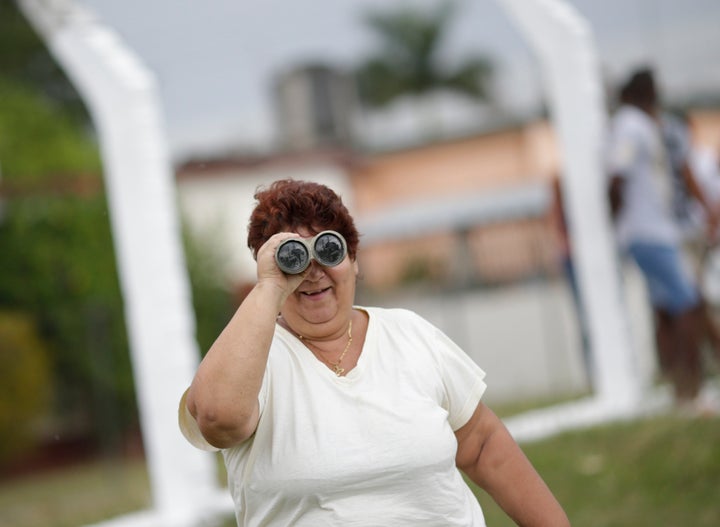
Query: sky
(215,60)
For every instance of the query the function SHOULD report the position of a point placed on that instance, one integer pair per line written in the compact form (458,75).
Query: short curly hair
(289,204)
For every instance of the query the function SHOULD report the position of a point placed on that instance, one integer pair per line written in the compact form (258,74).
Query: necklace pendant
(338,370)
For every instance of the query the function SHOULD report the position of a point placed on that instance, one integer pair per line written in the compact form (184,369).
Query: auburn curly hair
(289,204)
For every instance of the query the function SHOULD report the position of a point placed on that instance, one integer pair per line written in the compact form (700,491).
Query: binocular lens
(293,255)
(329,249)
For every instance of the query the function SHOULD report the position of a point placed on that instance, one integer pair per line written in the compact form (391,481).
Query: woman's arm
(223,397)
(491,458)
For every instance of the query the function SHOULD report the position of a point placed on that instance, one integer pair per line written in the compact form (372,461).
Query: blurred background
(428,117)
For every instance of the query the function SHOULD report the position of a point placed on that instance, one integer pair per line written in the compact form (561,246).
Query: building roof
(457,213)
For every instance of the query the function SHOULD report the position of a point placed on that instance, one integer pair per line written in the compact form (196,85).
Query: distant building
(461,212)
(314,107)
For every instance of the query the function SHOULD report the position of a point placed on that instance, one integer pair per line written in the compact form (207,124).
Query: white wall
(525,336)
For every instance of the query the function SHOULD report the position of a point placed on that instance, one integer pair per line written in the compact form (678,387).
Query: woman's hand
(268,271)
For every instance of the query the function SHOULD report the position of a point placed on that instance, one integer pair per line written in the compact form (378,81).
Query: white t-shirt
(375,447)
(637,153)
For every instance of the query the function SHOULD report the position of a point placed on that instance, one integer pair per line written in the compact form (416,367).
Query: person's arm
(615,195)
(491,458)
(711,214)
(223,397)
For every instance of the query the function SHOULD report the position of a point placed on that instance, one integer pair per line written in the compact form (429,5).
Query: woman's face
(322,303)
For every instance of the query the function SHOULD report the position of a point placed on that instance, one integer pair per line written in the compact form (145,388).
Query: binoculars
(327,248)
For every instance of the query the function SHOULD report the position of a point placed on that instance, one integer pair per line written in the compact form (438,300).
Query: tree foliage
(25,381)
(39,140)
(43,123)
(25,60)
(408,60)
(58,272)
(58,265)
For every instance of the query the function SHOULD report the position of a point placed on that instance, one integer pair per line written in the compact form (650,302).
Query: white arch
(563,42)
(121,95)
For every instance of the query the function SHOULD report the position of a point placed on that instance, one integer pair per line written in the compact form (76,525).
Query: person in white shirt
(641,196)
(329,413)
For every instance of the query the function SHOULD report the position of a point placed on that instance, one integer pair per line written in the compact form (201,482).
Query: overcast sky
(215,59)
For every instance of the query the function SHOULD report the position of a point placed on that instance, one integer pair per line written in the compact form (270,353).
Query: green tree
(58,267)
(408,60)
(25,60)
(40,142)
(44,126)
(25,380)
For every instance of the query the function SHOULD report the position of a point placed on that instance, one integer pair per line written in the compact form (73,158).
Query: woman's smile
(313,293)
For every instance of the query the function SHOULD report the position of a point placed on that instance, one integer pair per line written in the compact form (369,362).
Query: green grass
(75,496)
(658,472)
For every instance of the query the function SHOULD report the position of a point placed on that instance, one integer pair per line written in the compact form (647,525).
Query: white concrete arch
(122,98)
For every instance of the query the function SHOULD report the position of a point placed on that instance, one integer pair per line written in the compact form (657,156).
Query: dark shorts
(671,287)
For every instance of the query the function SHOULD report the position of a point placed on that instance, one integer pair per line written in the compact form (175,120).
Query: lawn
(658,472)
(71,497)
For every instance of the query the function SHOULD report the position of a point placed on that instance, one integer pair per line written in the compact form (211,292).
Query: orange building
(458,173)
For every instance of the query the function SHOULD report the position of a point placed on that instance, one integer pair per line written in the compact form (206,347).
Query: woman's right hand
(268,271)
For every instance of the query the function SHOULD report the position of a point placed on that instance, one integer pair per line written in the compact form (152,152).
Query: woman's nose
(316,270)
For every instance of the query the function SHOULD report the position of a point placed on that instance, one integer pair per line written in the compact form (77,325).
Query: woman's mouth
(315,292)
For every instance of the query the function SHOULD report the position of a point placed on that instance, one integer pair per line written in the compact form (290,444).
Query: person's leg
(699,253)
(569,271)
(664,342)
(679,318)
(678,352)
(710,329)
(687,361)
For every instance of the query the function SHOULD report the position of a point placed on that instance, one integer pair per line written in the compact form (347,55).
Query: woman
(333,414)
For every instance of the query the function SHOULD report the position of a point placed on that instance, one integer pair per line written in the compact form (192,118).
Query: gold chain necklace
(339,370)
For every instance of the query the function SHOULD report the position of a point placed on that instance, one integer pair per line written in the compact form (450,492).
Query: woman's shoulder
(394,315)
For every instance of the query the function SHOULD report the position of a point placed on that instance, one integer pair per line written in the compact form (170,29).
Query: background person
(329,413)
(696,202)
(641,195)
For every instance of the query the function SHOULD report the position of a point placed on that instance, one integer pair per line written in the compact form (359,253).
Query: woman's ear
(356,267)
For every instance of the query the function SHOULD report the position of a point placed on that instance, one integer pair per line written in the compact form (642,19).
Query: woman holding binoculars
(328,413)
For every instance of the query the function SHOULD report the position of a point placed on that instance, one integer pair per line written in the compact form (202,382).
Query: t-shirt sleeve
(463,380)
(190,428)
